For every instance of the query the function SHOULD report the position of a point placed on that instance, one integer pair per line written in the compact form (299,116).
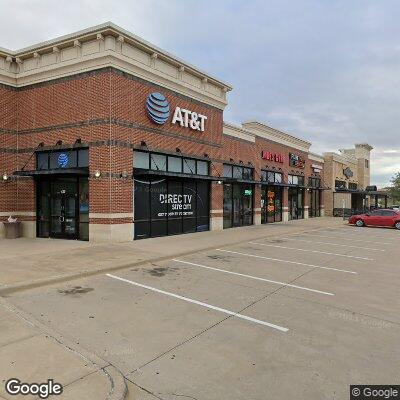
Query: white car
(395,208)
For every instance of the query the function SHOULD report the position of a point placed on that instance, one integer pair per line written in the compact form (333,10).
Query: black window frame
(49,153)
(343,184)
(265,175)
(242,176)
(184,161)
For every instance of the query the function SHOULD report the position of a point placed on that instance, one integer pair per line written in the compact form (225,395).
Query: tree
(394,190)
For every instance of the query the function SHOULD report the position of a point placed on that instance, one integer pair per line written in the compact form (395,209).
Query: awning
(363,192)
(63,171)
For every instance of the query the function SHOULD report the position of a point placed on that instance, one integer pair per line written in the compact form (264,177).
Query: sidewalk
(27,263)
(32,353)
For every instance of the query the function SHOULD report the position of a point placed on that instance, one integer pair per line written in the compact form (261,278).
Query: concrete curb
(118,389)
(7,290)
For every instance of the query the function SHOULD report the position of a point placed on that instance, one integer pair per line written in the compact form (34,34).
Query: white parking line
(288,262)
(344,237)
(312,251)
(334,244)
(254,277)
(200,303)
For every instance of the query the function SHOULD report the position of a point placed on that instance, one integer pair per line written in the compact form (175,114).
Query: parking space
(244,321)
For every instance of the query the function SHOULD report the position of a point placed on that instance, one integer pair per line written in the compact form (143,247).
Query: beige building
(347,174)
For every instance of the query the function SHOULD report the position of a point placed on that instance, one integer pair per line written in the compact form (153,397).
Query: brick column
(216,206)
(285,202)
(257,205)
(307,199)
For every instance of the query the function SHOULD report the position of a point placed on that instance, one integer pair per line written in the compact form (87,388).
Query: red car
(377,218)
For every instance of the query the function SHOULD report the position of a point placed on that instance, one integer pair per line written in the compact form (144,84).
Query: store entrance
(63,208)
(296,203)
(315,203)
(238,205)
(271,204)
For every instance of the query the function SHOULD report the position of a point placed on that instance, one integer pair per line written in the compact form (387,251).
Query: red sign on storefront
(269,156)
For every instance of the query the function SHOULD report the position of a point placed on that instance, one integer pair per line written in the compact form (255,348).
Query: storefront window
(141,160)
(163,162)
(271,176)
(296,203)
(158,162)
(271,204)
(62,159)
(238,205)
(238,172)
(174,164)
(340,184)
(170,207)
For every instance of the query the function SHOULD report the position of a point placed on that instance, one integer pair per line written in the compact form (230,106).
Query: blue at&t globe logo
(63,160)
(158,108)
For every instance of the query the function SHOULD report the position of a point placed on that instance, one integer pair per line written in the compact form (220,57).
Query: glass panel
(270,204)
(83,201)
(174,164)
(237,205)
(175,204)
(189,206)
(278,204)
(228,206)
(248,173)
(70,226)
(238,172)
(247,199)
(189,166)
(63,159)
(141,160)
(159,200)
(158,162)
(202,168)
(202,206)
(227,171)
(42,161)
(271,176)
(70,205)
(278,177)
(264,176)
(83,158)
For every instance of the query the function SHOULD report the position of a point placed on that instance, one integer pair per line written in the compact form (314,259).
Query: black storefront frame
(51,179)
(150,221)
(315,203)
(295,191)
(241,186)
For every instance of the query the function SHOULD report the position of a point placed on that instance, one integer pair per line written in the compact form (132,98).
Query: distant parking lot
(302,316)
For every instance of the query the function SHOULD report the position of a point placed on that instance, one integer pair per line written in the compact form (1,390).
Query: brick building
(106,137)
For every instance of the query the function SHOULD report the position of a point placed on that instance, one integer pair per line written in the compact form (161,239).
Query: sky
(327,71)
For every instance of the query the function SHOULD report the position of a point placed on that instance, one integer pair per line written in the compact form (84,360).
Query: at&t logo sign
(158,110)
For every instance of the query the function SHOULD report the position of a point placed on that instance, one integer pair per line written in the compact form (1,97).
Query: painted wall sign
(348,173)
(296,161)
(158,110)
(269,156)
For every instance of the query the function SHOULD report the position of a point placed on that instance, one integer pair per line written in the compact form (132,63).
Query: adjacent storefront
(238,196)
(271,196)
(296,196)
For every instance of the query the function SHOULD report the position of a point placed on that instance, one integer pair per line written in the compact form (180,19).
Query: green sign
(248,192)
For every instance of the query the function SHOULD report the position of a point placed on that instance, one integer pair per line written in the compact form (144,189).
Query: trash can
(13,229)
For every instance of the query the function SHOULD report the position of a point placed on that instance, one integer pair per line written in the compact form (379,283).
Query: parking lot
(301,316)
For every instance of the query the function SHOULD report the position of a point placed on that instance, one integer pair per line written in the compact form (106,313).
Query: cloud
(326,71)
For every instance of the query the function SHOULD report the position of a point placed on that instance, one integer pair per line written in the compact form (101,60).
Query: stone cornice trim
(238,132)
(58,57)
(264,131)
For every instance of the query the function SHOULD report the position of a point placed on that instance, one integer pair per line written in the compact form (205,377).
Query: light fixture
(231,160)
(178,150)
(124,174)
(59,143)
(219,182)
(206,155)
(97,174)
(78,141)
(143,143)
(6,177)
(41,144)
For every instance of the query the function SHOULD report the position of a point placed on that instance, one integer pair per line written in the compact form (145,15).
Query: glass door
(64,212)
